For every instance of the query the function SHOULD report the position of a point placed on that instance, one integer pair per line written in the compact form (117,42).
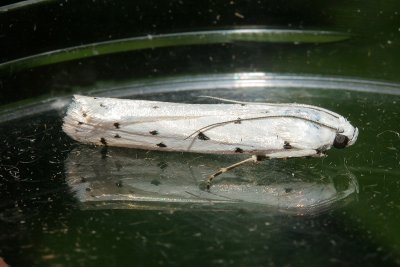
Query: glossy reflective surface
(67,203)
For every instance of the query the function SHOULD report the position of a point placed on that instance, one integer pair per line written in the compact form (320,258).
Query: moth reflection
(119,175)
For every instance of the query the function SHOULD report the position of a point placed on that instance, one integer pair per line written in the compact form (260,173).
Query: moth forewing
(261,129)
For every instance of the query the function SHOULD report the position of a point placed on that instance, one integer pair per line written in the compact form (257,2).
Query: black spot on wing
(288,190)
(161,145)
(80,123)
(116,125)
(202,136)
(287,145)
(162,165)
(84,114)
(117,136)
(156,107)
(238,150)
(238,121)
(103,141)
(154,132)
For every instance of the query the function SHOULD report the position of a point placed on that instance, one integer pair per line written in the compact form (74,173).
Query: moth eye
(340,141)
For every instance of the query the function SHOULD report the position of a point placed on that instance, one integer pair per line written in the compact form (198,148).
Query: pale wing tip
(73,106)
(73,116)
(78,103)
(77,97)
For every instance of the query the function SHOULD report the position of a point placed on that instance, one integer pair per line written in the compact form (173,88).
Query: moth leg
(253,158)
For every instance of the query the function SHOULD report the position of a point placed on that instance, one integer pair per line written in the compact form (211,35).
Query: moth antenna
(210,126)
(272,104)
(224,99)
(191,143)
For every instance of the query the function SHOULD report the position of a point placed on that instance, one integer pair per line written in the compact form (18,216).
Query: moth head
(346,135)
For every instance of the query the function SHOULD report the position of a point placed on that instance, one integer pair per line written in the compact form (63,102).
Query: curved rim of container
(241,80)
(152,41)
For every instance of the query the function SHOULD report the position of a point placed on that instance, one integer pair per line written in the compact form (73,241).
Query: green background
(45,56)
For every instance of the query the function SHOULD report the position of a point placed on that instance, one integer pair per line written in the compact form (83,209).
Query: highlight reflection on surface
(127,178)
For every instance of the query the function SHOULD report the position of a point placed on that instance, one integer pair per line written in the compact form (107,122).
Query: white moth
(263,130)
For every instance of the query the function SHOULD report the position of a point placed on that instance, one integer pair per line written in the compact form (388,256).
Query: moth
(262,130)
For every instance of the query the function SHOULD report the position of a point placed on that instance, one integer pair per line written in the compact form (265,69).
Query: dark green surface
(47,227)
(41,221)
